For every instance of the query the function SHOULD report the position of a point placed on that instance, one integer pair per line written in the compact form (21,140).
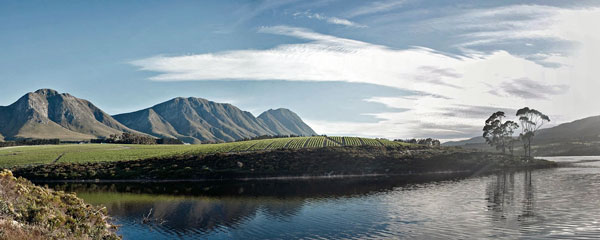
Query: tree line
(24,142)
(132,138)
(499,133)
(423,141)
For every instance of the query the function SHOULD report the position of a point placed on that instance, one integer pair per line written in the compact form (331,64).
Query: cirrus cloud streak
(444,85)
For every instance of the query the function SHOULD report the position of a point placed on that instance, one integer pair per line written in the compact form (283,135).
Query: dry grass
(32,212)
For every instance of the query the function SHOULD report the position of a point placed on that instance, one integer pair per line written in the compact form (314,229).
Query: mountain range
(197,120)
(47,113)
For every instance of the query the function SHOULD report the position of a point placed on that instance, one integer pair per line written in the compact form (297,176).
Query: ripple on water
(551,203)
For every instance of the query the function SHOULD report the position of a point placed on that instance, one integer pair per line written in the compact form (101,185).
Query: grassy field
(79,153)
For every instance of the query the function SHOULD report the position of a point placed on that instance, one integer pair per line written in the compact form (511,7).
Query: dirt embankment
(334,161)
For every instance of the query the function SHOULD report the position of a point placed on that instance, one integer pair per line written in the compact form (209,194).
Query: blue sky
(369,68)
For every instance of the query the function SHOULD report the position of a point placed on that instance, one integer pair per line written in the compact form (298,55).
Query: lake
(551,203)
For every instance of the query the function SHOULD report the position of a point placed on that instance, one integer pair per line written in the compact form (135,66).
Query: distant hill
(580,137)
(586,129)
(474,140)
(194,120)
(47,113)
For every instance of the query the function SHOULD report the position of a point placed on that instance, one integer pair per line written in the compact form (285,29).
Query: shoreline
(301,164)
(280,178)
(297,178)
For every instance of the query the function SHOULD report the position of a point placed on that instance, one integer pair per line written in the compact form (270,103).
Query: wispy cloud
(527,88)
(489,27)
(447,88)
(375,7)
(332,20)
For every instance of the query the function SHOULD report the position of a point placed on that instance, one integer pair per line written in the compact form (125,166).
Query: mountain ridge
(196,120)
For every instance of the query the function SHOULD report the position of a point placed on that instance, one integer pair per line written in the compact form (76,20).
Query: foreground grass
(83,153)
(32,212)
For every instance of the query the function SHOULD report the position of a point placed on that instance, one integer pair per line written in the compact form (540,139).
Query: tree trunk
(529,146)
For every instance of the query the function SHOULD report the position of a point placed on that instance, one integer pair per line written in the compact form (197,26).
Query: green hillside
(27,155)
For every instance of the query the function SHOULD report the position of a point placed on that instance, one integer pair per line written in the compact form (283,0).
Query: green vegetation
(338,140)
(32,212)
(316,142)
(371,142)
(352,141)
(288,163)
(389,143)
(330,143)
(81,153)
(297,142)
(279,143)
(45,154)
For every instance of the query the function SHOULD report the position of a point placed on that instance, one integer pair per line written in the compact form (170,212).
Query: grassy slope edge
(32,212)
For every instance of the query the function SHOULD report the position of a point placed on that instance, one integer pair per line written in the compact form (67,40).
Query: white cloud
(448,88)
(375,7)
(332,20)
(520,22)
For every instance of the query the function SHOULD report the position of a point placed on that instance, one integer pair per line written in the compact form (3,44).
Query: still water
(553,203)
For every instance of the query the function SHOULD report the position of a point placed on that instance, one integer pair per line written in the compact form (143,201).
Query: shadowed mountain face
(194,120)
(46,113)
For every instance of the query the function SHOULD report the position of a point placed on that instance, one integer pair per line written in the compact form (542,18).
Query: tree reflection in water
(511,197)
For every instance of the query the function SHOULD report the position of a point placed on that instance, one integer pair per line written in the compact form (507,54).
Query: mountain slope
(195,120)
(473,140)
(285,122)
(586,129)
(46,113)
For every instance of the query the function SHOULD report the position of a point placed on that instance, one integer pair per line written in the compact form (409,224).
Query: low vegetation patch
(32,212)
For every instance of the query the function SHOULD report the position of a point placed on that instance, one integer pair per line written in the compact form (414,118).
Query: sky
(393,69)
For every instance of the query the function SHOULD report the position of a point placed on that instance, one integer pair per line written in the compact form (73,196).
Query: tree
(531,121)
(508,129)
(498,133)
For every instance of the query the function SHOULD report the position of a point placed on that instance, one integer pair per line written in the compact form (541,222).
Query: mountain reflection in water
(552,203)
(184,208)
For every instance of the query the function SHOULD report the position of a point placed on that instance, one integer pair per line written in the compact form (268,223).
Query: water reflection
(529,197)
(188,208)
(508,202)
(313,188)
(553,203)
